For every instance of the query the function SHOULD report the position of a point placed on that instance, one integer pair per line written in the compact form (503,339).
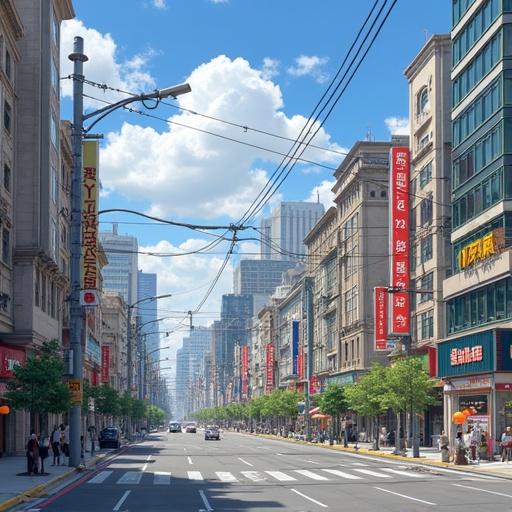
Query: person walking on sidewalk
(55,439)
(32,454)
(506,445)
(64,442)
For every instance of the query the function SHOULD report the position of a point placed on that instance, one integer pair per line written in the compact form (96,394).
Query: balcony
(420,120)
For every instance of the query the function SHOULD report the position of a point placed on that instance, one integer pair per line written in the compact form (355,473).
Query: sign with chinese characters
(90,215)
(75,387)
(466,355)
(245,371)
(10,357)
(295,346)
(399,240)
(481,248)
(381,318)
(105,364)
(476,382)
(269,382)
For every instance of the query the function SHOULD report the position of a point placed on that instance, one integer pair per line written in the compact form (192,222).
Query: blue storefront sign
(92,349)
(467,355)
(295,346)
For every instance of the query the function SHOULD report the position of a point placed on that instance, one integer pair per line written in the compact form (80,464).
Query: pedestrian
(44,448)
(444,446)
(32,454)
(506,445)
(55,439)
(64,442)
(460,450)
(474,443)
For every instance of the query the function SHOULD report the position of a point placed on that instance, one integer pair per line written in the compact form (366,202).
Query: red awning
(314,410)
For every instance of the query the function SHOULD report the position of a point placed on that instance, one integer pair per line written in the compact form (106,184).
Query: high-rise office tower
(147,313)
(282,234)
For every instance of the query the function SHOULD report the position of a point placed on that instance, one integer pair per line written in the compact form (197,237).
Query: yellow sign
(75,388)
(479,249)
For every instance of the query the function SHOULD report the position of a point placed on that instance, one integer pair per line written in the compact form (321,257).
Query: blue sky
(260,63)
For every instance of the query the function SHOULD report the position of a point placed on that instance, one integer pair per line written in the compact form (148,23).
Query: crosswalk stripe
(100,477)
(254,476)
(226,476)
(161,478)
(310,474)
(131,478)
(195,475)
(372,473)
(337,472)
(279,475)
(358,464)
(403,473)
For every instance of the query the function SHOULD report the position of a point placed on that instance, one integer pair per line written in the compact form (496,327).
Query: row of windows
(478,112)
(459,8)
(425,283)
(482,153)
(426,329)
(484,61)
(482,196)
(46,294)
(6,60)
(349,228)
(482,306)
(351,299)
(473,31)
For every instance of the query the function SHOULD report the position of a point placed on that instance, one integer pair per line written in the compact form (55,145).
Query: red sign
(313,384)
(466,355)
(432,361)
(10,357)
(269,384)
(95,377)
(399,240)
(245,371)
(105,364)
(503,386)
(300,364)
(381,317)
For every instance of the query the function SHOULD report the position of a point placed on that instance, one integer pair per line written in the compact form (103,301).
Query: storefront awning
(320,416)
(314,410)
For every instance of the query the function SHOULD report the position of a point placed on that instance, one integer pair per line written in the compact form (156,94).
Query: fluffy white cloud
(103,65)
(310,65)
(397,125)
(270,68)
(323,193)
(219,1)
(160,4)
(185,172)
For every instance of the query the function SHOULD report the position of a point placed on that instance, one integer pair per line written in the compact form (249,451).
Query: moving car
(191,428)
(110,437)
(212,432)
(174,427)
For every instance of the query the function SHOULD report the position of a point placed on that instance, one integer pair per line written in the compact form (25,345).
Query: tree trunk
(376,433)
(398,442)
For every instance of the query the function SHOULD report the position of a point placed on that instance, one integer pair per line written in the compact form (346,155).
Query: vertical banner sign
(399,240)
(245,371)
(269,384)
(105,364)
(300,364)
(295,346)
(381,317)
(90,215)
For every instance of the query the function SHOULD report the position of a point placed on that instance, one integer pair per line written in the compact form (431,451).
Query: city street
(183,472)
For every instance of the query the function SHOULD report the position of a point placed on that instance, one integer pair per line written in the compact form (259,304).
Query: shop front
(477,376)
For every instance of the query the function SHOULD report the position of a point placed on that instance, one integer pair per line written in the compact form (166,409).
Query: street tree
(333,401)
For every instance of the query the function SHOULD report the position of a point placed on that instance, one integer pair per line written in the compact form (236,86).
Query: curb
(423,461)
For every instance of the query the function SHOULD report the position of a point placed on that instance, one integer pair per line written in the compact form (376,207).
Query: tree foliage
(333,400)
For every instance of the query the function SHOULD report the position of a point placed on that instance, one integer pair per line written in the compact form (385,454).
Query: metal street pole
(76,314)
(309,366)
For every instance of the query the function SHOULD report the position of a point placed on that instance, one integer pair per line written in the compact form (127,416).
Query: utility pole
(76,312)
(308,286)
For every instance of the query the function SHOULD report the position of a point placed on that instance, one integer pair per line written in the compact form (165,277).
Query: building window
(425,175)
(426,283)
(55,77)
(53,241)
(427,325)
(8,65)
(330,327)
(7,178)
(352,261)
(426,211)
(55,30)
(413,256)
(53,130)
(54,190)
(351,305)
(37,288)
(7,116)
(423,101)
(426,248)
(330,276)
(383,194)
(6,246)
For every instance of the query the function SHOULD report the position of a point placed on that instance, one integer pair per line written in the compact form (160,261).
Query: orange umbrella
(459,418)
(4,409)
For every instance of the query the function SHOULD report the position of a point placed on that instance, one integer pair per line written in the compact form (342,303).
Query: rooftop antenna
(369,135)
(426,35)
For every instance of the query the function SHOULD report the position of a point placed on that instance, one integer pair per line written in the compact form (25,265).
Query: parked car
(110,437)
(174,427)
(212,432)
(191,428)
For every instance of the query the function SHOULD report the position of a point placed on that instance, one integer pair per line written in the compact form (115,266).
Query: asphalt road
(183,472)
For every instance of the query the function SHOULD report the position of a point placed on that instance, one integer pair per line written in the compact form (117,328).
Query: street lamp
(77,134)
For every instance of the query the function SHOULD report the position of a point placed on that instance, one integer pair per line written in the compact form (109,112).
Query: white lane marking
(245,462)
(190,460)
(280,454)
(100,477)
(145,467)
(309,498)
(161,478)
(205,501)
(184,449)
(148,458)
(372,473)
(131,477)
(311,461)
(121,501)
(279,475)
(342,474)
(483,490)
(226,476)
(359,464)
(254,476)
(466,473)
(405,496)
(403,473)
(195,475)
(310,474)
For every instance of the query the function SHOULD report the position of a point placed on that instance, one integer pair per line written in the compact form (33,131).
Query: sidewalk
(16,489)
(428,457)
